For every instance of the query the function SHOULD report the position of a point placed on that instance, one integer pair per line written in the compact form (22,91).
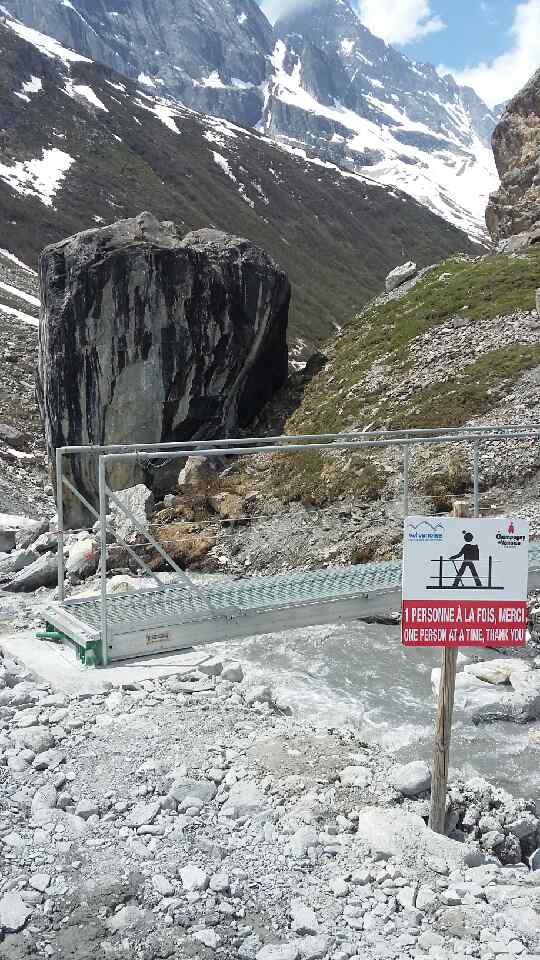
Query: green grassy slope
(349,393)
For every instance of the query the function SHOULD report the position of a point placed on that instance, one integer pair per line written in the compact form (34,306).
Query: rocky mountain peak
(515,207)
(319,83)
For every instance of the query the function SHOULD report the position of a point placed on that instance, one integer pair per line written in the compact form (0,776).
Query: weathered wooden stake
(443,731)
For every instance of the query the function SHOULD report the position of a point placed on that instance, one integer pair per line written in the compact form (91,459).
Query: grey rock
(162,885)
(222,305)
(411,779)
(405,836)
(13,912)
(220,882)
(43,572)
(212,668)
(208,937)
(279,951)
(303,918)
(314,948)
(232,672)
(339,887)
(126,918)
(260,693)
(40,881)
(7,540)
(302,840)
(355,777)
(143,814)
(139,500)
(86,809)
(83,558)
(183,787)
(49,760)
(400,275)
(193,877)
(37,739)
(17,560)
(245,799)
(514,209)
(29,531)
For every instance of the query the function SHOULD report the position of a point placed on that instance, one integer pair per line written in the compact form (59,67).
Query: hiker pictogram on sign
(474,573)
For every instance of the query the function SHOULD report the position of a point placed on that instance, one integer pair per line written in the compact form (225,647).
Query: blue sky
(492,45)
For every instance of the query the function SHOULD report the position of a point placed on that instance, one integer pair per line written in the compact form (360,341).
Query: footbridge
(182,613)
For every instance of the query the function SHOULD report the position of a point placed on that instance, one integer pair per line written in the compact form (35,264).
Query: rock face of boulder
(146,336)
(515,207)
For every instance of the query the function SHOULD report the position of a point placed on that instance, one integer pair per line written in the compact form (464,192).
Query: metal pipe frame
(190,445)
(109,454)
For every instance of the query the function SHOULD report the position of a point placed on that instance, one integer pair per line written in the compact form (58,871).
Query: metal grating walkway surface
(253,595)
(174,617)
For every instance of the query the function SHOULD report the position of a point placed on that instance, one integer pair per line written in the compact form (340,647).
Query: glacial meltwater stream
(359,674)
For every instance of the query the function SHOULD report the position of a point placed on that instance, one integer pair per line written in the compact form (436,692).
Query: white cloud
(499,79)
(399,21)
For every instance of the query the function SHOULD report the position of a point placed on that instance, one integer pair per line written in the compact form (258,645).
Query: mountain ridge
(335,91)
(82,145)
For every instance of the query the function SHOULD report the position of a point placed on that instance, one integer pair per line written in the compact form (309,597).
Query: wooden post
(441,752)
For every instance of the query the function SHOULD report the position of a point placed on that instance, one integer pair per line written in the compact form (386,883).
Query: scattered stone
(220,883)
(355,777)
(245,799)
(13,912)
(162,885)
(43,572)
(412,779)
(139,500)
(279,951)
(232,672)
(400,275)
(143,814)
(303,918)
(40,881)
(193,878)
(302,840)
(209,938)
(339,887)
(86,809)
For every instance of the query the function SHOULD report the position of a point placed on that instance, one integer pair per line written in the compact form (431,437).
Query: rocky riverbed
(196,816)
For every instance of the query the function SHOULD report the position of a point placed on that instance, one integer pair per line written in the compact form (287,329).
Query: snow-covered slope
(344,94)
(319,83)
(82,145)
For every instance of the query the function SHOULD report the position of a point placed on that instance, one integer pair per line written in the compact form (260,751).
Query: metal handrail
(248,446)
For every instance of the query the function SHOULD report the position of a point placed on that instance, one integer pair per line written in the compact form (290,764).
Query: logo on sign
(510,540)
(425,532)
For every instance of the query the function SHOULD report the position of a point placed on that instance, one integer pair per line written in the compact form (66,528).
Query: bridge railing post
(60,523)
(405,480)
(476,478)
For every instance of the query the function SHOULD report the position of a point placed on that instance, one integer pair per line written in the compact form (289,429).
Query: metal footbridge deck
(180,614)
(173,617)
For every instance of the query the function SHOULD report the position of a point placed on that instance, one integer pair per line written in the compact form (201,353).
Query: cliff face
(148,337)
(515,207)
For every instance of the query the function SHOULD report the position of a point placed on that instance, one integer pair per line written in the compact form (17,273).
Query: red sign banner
(462,623)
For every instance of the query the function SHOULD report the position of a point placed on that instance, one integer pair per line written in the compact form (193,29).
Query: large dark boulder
(146,336)
(515,207)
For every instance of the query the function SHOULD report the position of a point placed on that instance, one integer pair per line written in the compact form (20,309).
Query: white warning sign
(465,582)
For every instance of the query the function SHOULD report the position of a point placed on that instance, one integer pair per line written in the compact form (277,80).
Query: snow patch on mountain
(421,140)
(21,294)
(41,177)
(47,45)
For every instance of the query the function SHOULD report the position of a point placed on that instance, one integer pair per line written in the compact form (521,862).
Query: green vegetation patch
(346,393)
(350,392)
